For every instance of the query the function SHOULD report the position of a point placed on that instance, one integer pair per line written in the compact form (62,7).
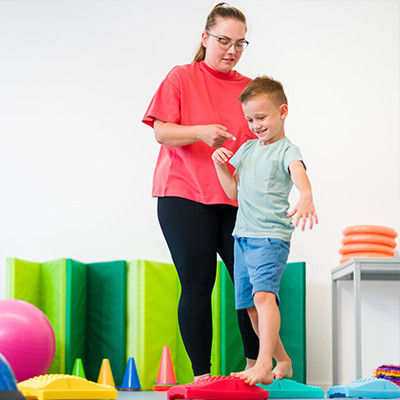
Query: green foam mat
(118,310)
(86,306)
(289,389)
(105,318)
(152,320)
(52,290)
(23,280)
(217,312)
(292,293)
(43,285)
(231,347)
(75,313)
(293,329)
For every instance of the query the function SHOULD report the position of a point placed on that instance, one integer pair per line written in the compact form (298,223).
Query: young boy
(266,169)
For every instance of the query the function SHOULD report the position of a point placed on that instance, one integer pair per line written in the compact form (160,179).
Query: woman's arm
(228,182)
(177,135)
(304,208)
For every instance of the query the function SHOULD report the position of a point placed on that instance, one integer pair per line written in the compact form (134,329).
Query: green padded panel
(293,330)
(93,301)
(23,279)
(152,320)
(292,293)
(217,311)
(42,285)
(105,318)
(52,289)
(75,313)
(232,354)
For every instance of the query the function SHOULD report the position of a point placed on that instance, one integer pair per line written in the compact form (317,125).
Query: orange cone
(166,375)
(105,375)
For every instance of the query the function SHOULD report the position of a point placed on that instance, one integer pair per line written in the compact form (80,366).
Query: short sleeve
(235,160)
(166,102)
(292,154)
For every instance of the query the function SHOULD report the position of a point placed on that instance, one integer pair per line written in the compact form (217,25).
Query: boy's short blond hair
(264,86)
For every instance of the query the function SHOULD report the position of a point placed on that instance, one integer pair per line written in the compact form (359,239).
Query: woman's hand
(214,135)
(172,134)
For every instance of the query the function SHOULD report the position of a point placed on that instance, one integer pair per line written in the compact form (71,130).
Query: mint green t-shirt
(263,189)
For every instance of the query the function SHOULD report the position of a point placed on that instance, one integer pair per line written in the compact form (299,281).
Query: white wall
(76,162)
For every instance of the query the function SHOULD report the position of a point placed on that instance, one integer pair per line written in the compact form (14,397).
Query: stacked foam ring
(367,241)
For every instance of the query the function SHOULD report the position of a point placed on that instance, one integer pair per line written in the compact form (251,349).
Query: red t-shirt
(195,94)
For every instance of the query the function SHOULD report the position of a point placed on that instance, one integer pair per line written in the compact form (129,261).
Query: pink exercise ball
(26,339)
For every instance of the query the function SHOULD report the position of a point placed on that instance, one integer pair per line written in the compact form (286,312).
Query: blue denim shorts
(258,266)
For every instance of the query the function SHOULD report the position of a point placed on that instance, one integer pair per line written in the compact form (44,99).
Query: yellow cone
(105,375)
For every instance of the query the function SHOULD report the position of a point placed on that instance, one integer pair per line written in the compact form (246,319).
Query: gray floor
(161,396)
(141,395)
(148,396)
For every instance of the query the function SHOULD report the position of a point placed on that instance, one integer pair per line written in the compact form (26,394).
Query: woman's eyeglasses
(226,44)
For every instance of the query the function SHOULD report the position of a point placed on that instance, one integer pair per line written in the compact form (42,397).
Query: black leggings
(195,233)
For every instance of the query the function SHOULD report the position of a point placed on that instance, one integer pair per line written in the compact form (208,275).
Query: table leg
(357,317)
(335,365)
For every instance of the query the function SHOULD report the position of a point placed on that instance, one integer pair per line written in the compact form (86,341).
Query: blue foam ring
(372,388)
(7,378)
(8,383)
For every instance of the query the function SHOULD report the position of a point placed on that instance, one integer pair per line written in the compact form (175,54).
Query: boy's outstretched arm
(227,180)
(304,208)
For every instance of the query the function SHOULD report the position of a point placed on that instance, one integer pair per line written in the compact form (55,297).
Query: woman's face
(217,58)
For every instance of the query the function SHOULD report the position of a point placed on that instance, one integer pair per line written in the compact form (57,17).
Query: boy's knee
(264,297)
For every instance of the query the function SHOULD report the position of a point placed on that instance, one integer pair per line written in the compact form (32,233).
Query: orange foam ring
(375,229)
(370,238)
(363,255)
(366,248)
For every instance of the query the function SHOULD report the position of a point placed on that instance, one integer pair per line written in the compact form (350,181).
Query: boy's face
(266,120)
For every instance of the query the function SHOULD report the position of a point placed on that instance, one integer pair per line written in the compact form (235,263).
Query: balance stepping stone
(371,388)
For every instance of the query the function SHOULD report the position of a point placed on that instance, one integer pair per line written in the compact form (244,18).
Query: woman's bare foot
(198,377)
(283,369)
(256,374)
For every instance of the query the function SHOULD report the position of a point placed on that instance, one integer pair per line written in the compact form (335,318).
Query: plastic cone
(166,375)
(105,375)
(131,378)
(77,369)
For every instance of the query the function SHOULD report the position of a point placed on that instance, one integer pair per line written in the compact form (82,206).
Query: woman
(194,110)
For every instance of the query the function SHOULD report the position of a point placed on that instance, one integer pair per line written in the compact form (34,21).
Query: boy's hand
(305,210)
(221,156)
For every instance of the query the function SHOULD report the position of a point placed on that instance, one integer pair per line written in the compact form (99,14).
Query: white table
(358,269)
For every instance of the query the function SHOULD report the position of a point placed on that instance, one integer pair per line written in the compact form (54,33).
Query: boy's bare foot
(250,363)
(198,377)
(256,374)
(283,369)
